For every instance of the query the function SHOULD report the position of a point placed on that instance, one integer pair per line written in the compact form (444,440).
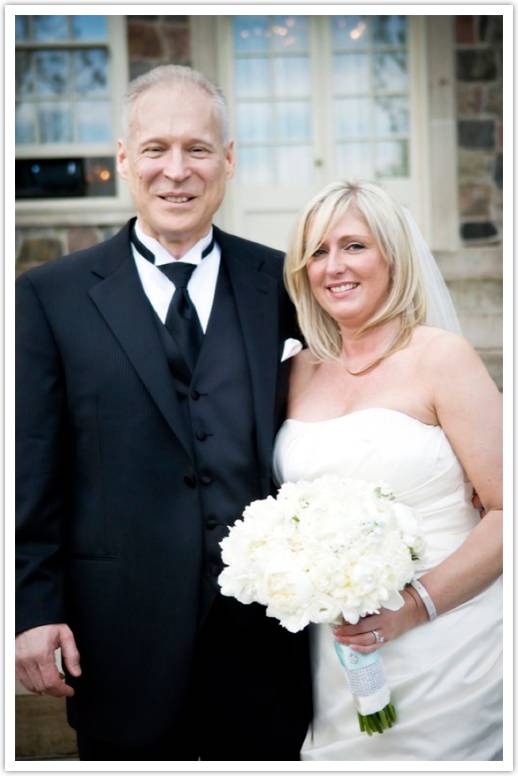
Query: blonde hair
(175,75)
(386,220)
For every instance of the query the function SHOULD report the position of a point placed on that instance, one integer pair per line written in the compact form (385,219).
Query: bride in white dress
(378,395)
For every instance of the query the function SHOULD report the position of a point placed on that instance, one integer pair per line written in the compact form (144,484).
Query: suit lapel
(121,301)
(255,295)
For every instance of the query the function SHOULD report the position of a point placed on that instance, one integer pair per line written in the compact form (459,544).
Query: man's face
(175,164)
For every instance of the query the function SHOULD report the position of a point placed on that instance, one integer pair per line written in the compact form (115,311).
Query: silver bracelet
(425,597)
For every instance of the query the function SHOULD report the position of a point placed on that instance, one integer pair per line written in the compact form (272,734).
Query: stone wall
(479,120)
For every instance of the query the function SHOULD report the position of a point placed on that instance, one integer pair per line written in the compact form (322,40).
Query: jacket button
(190,480)
(195,395)
(205,479)
(211,523)
(201,436)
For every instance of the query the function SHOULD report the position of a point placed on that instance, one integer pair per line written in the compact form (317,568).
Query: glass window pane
(351,73)
(254,122)
(42,178)
(255,165)
(389,30)
(289,33)
(293,122)
(354,160)
(391,159)
(50,27)
(24,79)
(352,118)
(51,72)
(90,27)
(250,33)
(391,115)
(99,177)
(390,71)
(252,77)
(91,71)
(25,131)
(93,121)
(55,122)
(295,165)
(349,31)
(22,28)
(291,77)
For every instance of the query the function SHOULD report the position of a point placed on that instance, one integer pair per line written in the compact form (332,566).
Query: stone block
(37,250)
(499,174)
(464,29)
(479,230)
(475,199)
(474,165)
(470,99)
(82,237)
(475,295)
(144,41)
(476,65)
(493,101)
(476,134)
(471,261)
(490,29)
(42,730)
(482,330)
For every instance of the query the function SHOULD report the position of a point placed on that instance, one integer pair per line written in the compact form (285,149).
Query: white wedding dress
(445,676)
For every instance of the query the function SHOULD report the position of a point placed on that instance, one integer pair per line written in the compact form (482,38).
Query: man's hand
(35,662)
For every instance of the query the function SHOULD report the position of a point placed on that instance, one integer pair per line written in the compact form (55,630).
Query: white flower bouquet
(321,551)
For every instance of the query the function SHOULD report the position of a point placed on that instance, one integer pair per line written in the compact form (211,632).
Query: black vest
(217,408)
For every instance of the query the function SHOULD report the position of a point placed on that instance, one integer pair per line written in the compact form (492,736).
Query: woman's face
(348,275)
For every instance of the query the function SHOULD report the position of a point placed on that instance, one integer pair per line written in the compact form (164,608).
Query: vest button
(190,480)
(195,395)
(205,479)
(211,523)
(201,436)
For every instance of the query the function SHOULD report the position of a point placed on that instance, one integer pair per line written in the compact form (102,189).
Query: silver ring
(378,638)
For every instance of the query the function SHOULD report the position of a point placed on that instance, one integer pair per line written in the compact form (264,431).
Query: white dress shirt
(159,289)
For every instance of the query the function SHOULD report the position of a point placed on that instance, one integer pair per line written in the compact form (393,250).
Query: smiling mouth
(343,288)
(176,200)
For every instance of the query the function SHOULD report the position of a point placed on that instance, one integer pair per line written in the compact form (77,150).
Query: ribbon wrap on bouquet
(366,679)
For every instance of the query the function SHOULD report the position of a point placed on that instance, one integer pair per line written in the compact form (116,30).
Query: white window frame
(433,157)
(85,211)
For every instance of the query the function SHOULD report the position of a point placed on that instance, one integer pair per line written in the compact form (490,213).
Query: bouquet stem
(378,722)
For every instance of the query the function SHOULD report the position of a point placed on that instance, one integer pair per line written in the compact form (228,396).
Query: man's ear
(230,159)
(122,159)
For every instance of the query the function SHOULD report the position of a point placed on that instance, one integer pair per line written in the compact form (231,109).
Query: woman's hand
(388,625)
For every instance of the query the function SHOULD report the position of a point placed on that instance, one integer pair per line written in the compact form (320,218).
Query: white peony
(320,550)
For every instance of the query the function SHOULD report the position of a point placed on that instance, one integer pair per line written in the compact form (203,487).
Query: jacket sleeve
(41,465)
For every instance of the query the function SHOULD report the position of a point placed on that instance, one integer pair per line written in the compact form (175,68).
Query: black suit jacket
(104,539)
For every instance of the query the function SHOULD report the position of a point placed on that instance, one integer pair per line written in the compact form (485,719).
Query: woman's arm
(469,409)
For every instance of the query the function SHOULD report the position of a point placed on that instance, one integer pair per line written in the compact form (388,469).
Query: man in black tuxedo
(148,398)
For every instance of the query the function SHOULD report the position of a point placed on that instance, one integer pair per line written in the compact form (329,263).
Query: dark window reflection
(42,178)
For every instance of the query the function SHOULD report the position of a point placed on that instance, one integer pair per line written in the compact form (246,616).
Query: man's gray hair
(170,75)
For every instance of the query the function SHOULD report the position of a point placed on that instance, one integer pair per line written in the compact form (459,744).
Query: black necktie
(182,320)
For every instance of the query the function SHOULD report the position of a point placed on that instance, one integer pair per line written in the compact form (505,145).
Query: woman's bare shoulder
(437,346)
(302,367)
